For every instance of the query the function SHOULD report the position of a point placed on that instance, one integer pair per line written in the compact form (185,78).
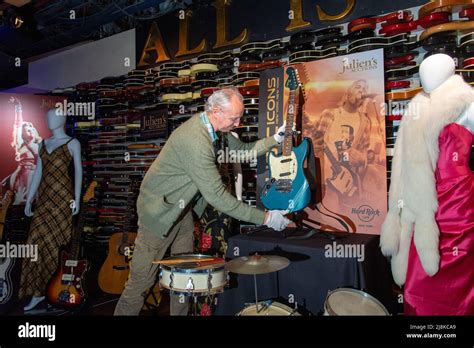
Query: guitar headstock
(7,199)
(292,82)
(303,91)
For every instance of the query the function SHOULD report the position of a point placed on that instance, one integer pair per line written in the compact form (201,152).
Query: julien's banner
(343,115)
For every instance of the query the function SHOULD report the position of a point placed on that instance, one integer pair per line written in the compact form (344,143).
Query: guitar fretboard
(290,120)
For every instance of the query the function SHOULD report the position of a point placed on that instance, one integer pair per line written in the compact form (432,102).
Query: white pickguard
(278,168)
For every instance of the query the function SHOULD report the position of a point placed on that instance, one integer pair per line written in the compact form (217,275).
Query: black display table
(317,266)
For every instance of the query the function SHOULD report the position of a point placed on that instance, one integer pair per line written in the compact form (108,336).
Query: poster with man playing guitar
(343,115)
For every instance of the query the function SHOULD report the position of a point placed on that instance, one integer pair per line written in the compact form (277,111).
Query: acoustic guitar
(66,289)
(114,272)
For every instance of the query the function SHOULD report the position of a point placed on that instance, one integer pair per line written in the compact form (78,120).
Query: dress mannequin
(58,200)
(429,229)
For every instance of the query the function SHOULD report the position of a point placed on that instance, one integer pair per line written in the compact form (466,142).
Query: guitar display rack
(407,37)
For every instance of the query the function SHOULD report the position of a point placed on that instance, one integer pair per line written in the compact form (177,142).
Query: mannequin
(429,229)
(58,200)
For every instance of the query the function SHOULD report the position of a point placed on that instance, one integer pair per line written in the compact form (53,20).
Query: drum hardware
(190,285)
(268,308)
(257,264)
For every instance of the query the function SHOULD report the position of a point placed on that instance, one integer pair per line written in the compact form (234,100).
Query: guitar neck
(290,120)
(334,162)
(124,238)
(76,238)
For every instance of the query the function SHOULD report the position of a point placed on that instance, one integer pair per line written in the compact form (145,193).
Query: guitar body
(65,289)
(114,272)
(287,188)
(6,286)
(345,183)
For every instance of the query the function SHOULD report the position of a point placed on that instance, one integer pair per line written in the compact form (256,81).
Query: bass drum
(269,309)
(347,301)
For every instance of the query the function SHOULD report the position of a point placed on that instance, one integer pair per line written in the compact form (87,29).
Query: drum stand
(256,295)
(195,305)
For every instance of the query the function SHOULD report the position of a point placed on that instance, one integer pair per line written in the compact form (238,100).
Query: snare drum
(347,301)
(268,308)
(191,279)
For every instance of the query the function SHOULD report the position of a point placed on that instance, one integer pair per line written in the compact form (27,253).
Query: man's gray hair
(222,98)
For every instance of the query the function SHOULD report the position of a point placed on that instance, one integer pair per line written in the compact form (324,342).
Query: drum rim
(329,310)
(275,304)
(191,271)
(179,269)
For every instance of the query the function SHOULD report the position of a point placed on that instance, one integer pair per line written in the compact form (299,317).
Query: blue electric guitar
(287,188)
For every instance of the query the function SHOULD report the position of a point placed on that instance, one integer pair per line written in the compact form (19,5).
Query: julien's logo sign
(356,65)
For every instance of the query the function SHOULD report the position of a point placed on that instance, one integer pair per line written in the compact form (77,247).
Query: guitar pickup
(67,277)
(71,263)
(285,174)
(286,160)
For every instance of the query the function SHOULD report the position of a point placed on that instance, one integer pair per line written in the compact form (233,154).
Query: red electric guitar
(65,289)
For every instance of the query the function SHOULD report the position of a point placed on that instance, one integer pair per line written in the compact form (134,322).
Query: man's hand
(280,134)
(276,219)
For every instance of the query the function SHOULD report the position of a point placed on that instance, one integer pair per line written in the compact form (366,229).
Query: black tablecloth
(311,274)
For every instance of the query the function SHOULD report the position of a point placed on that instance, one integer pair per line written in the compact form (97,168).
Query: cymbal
(257,264)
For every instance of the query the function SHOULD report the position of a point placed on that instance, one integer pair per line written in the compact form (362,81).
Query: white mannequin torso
(434,71)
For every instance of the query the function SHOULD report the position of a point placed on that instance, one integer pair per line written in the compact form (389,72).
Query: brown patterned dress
(51,226)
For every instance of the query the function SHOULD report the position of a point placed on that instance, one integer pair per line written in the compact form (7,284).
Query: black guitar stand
(300,227)
(304,227)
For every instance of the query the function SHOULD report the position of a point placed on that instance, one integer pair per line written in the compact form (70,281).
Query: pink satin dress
(451,290)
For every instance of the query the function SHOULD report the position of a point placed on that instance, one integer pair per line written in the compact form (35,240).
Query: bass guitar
(65,289)
(288,188)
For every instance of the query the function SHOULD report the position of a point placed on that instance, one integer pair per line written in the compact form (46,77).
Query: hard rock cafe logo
(356,65)
(366,213)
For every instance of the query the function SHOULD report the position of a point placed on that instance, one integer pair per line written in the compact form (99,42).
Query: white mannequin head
(55,119)
(435,70)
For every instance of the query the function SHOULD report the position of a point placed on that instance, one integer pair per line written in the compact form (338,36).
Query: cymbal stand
(256,296)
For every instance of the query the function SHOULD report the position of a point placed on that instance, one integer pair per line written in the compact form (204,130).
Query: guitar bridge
(284,185)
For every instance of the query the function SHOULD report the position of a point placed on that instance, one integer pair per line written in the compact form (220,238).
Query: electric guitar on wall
(65,289)
(287,188)
(6,264)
